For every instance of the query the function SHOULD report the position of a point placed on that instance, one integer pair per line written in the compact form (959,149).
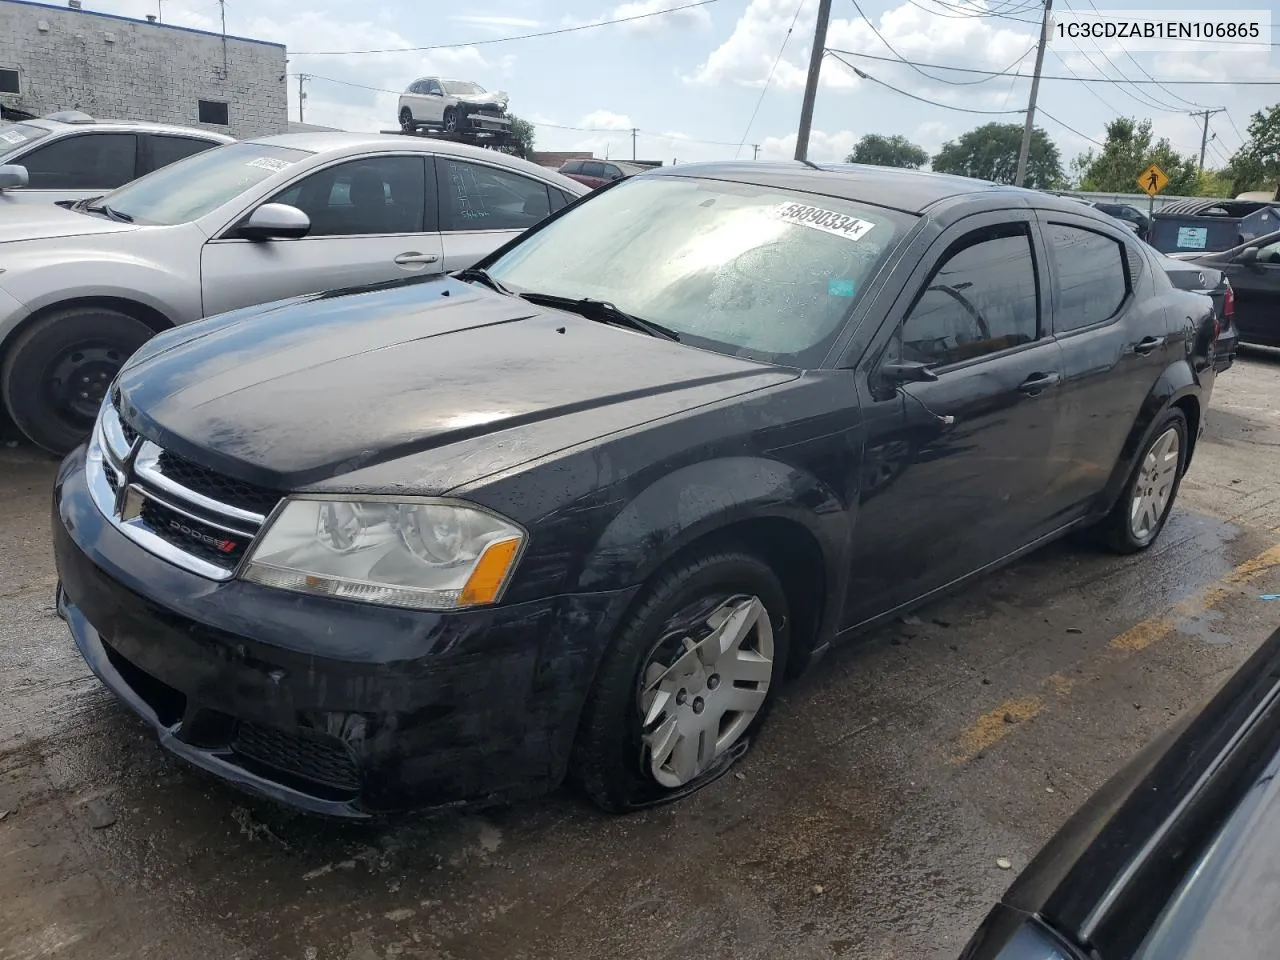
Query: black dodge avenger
(581,509)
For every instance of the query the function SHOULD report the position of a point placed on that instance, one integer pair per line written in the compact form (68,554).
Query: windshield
(741,269)
(463,87)
(15,136)
(187,190)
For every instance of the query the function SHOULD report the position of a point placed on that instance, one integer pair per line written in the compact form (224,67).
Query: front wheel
(689,679)
(1140,514)
(450,120)
(58,370)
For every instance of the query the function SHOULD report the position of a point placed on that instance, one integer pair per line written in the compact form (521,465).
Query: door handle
(410,258)
(1035,384)
(1147,345)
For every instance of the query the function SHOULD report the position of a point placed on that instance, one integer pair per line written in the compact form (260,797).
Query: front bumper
(334,707)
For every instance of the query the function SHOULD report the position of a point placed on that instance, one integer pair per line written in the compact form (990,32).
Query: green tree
(1128,150)
(1214,183)
(1256,165)
(990,152)
(521,138)
(895,151)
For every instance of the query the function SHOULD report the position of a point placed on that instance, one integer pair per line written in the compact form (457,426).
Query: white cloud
(689,17)
(498,24)
(822,145)
(606,120)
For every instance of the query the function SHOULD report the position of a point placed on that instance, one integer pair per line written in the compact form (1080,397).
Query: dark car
(583,507)
(598,173)
(1193,274)
(1137,221)
(1253,269)
(1175,857)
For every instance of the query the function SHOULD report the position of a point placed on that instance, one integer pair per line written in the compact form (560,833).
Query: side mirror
(275,221)
(1248,255)
(13,175)
(909,371)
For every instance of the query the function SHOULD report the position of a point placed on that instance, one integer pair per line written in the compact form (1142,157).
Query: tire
(407,123)
(1131,527)
(611,762)
(450,120)
(38,380)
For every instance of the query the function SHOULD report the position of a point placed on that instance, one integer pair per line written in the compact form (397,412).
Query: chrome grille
(188,515)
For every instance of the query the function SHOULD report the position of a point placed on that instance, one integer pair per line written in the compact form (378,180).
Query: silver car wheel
(700,693)
(1156,479)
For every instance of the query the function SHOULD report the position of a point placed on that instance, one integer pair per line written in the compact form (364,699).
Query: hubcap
(450,122)
(81,376)
(1155,485)
(702,687)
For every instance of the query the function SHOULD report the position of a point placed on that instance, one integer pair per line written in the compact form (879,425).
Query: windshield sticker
(13,136)
(840,288)
(271,163)
(828,221)
(1193,238)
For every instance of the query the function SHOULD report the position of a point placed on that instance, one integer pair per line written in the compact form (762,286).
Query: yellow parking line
(996,724)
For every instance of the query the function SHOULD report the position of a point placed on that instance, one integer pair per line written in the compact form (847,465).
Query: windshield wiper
(603,312)
(482,275)
(111,214)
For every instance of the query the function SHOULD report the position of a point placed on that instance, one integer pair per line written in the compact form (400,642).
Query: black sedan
(1188,273)
(1253,270)
(1175,857)
(581,509)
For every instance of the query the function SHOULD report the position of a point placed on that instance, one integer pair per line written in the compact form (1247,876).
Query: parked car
(582,507)
(1129,215)
(597,173)
(1187,273)
(454,106)
(1253,271)
(70,156)
(250,222)
(1174,858)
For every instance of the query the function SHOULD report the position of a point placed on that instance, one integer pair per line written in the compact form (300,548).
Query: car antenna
(809,163)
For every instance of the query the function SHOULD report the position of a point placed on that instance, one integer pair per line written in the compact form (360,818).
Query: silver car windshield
(187,190)
(461,87)
(16,136)
(753,271)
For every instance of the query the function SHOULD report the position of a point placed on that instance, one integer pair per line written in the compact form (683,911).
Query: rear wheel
(57,372)
(1140,514)
(689,679)
(406,120)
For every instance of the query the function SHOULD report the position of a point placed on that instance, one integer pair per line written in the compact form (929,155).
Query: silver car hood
(494,96)
(47,221)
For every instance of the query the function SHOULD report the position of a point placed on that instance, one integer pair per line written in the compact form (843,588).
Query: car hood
(21,220)
(292,395)
(494,96)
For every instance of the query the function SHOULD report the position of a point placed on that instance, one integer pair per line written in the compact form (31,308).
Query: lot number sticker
(12,136)
(270,163)
(828,221)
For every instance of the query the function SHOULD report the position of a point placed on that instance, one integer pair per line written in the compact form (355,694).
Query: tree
(1256,165)
(1127,151)
(521,138)
(990,152)
(895,151)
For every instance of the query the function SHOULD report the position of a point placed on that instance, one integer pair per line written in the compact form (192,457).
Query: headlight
(424,554)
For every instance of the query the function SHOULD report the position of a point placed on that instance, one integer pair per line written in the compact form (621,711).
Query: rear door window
(1090,278)
(166,150)
(85,161)
(478,197)
(982,299)
(593,168)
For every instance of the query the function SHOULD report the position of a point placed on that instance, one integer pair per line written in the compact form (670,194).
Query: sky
(719,80)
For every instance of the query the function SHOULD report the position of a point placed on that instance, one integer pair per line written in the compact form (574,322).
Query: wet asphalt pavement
(865,823)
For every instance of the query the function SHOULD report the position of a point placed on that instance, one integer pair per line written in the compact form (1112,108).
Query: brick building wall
(123,69)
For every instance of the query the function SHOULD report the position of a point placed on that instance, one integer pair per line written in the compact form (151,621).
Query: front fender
(1177,381)
(709,497)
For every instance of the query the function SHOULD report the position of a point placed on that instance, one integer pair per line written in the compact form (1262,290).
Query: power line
(1190,103)
(1146,100)
(1027,76)
(1045,113)
(776,60)
(523,36)
(935,103)
(1243,138)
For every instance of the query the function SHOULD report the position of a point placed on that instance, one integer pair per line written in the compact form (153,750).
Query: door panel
(1257,289)
(372,220)
(954,469)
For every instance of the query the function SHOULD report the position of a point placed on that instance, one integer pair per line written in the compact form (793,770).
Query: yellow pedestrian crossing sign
(1152,180)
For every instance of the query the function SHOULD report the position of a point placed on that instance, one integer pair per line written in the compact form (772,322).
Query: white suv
(453,106)
(70,156)
(248,223)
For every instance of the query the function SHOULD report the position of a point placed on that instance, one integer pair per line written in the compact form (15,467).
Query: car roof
(339,142)
(127,126)
(912,191)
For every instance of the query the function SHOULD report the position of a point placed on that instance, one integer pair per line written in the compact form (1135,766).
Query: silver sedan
(240,225)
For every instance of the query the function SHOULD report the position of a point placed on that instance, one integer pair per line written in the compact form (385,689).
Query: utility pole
(1025,149)
(1204,137)
(816,54)
(159,11)
(634,131)
(222,6)
(302,94)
